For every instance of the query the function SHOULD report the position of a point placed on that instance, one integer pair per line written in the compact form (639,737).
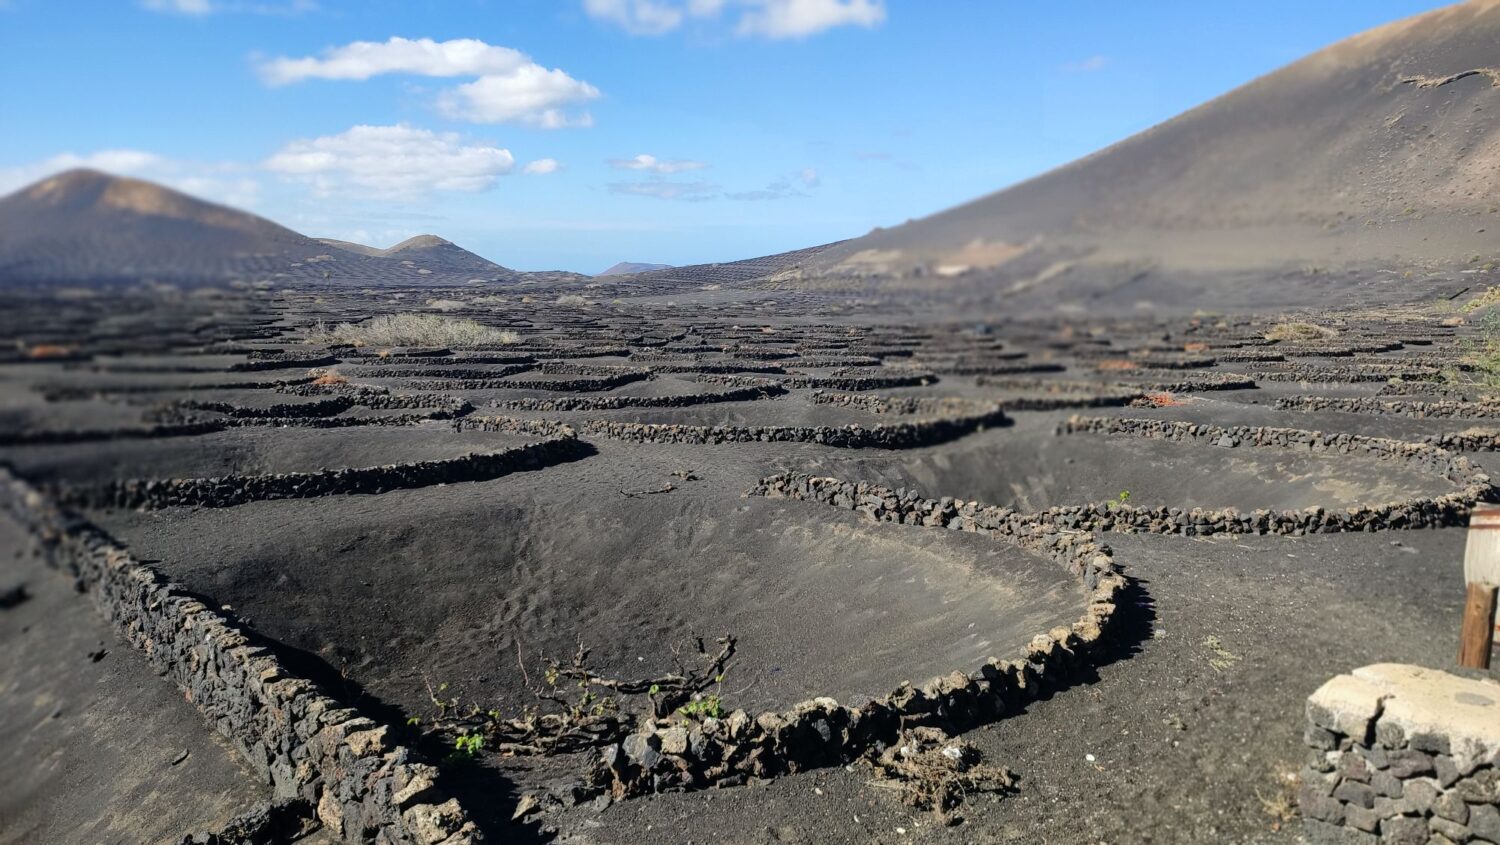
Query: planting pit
(823,603)
(1033,470)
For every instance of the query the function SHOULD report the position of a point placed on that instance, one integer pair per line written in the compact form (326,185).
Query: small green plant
(1480,358)
(466,747)
(1120,500)
(707,707)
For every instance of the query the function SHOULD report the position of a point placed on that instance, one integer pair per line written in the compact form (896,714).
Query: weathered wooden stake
(1482,574)
(1478,632)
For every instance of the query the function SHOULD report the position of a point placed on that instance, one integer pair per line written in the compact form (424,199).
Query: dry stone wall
(39,437)
(681,400)
(687,753)
(1423,512)
(900,435)
(1355,374)
(305,744)
(1402,755)
(1182,383)
(229,490)
(67,394)
(1396,407)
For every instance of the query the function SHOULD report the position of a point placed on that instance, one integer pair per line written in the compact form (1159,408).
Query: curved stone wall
(1442,409)
(1183,383)
(43,437)
(229,490)
(64,394)
(900,435)
(305,744)
(875,380)
(684,753)
(1424,512)
(601,403)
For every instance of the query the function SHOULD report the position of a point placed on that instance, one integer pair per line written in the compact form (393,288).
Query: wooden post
(1482,574)
(1478,629)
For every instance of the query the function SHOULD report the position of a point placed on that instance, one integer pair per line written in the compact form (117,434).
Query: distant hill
(625,268)
(83,226)
(430,252)
(1382,151)
(735,273)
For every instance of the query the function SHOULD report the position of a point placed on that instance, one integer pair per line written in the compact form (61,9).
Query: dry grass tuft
(412,330)
(328,378)
(1281,803)
(1163,400)
(1293,330)
(1491,296)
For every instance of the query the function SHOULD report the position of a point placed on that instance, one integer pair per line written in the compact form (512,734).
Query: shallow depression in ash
(1034,470)
(452,583)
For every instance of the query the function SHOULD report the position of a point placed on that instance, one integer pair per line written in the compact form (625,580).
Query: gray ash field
(1034,520)
(394,525)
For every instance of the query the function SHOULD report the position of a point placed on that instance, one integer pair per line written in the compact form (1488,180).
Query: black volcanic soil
(89,749)
(823,604)
(1029,469)
(637,548)
(1182,752)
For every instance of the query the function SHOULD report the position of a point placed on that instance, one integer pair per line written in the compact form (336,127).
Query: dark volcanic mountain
(84,226)
(625,268)
(1380,152)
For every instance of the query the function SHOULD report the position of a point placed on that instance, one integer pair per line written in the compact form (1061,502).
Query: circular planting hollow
(1033,471)
(823,602)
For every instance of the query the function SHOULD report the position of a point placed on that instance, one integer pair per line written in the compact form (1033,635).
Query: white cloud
(650,17)
(657,187)
(509,88)
(1092,63)
(421,57)
(767,18)
(181,7)
(392,161)
(529,96)
(782,188)
(205,7)
(801,18)
(222,182)
(664,190)
(542,167)
(652,164)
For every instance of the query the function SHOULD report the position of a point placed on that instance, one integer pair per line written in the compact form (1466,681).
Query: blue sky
(576,133)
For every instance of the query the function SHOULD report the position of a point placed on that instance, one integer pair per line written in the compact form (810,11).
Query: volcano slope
(1124,552)
(1348,173)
